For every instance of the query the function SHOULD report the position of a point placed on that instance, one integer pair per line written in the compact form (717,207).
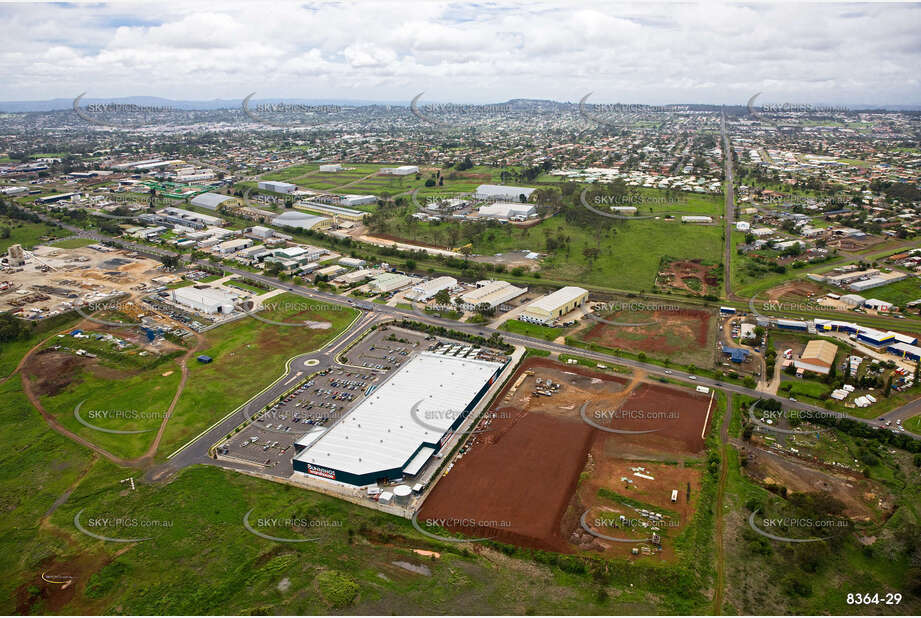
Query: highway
(729,208)
(515,339)
(196,451)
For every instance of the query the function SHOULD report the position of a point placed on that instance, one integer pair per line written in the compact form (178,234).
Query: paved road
(152,252)
(730,208)
(197,452)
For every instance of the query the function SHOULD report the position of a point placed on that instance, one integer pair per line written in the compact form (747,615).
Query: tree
(443,297)
(591,254)
(170,261)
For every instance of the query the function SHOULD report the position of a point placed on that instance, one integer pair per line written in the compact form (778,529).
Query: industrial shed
(819,356)
(555,305)
(204,299)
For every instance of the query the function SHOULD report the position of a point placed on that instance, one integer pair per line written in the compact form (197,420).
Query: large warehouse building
(548,308)
(502,192)
(204,299)
(277,187)
(384,438)
(494,294)
(507,210)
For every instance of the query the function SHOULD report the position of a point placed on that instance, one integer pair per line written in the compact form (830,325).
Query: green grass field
(629,253)
(350,568)
(899,293)
(248,355)
(26,234)
(73,243)
(533,330)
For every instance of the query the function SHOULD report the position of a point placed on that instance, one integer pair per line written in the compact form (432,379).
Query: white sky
(464,52)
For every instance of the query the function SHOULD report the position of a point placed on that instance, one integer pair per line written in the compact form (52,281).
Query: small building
(331,271)
(491,294)
(879,305)
(260,232)
(696,219)
(277,187)
(854,300)
(232,246)
(352,199)
(331,167)
(818,357)
(736,355)
(351,262)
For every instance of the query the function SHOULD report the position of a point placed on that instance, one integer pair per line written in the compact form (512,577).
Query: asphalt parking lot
(322,399)
(387,348)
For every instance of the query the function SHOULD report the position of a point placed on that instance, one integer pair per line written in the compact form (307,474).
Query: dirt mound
(52,371)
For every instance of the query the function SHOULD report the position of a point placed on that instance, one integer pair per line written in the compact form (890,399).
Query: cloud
(464,52)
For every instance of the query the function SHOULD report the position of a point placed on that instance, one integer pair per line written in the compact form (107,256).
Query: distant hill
(59,104)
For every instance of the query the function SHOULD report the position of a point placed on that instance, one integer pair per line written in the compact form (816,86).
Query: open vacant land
(519,480)
(684,335)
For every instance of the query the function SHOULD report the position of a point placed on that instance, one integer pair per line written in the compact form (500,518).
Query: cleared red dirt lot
(517,482)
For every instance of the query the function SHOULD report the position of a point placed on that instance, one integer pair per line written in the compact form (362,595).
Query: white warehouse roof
(551,302)
(428,289)
(507,210)
(381,433)
(209,200)
(502,192)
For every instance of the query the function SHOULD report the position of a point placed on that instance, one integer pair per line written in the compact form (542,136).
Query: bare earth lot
(529,478)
